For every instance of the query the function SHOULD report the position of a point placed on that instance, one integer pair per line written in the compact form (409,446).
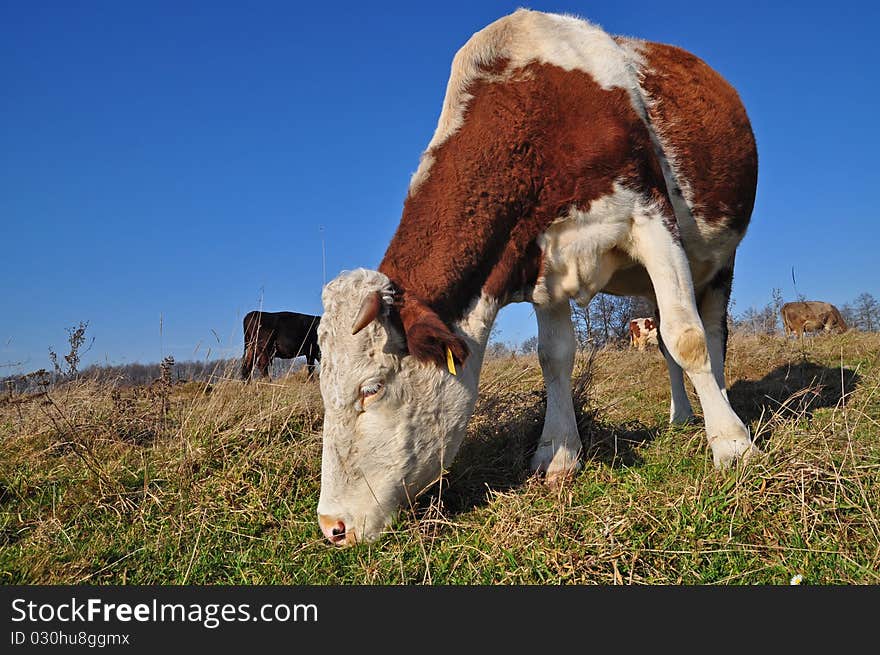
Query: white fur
(669,269)
(646,335)
(578,249)
(559,446)
(583,251)
(680,410)
(376,459)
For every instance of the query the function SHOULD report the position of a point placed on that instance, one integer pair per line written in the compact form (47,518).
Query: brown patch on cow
(427,336)
(700,117)
(634,329)
(529,150)
(691,346)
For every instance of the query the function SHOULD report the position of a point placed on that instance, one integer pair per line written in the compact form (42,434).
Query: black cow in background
(278,334)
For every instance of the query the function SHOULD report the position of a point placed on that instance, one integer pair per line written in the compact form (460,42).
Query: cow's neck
(468,228)
(475,326)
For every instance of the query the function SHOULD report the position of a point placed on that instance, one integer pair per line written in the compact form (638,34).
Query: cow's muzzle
(334,529)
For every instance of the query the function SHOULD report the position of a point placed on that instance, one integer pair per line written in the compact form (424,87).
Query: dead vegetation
(217,483)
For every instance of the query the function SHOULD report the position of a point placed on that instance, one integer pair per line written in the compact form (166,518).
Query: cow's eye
(371,391)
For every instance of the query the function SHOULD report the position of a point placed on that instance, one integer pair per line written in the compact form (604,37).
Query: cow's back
(256,322)
(296,334)
(553,115)
(705,134)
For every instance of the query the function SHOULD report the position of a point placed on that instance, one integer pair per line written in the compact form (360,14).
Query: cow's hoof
(727,452)
(682,419)
(555,464)
(561,477)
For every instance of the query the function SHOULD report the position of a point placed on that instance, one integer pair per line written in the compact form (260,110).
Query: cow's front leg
(684,336)
(559,446)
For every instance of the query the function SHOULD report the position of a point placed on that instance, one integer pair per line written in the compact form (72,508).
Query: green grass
(102,486)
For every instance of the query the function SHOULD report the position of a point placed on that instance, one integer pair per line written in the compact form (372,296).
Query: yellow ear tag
(450,363)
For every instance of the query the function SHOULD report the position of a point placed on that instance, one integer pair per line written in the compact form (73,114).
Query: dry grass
(218,483)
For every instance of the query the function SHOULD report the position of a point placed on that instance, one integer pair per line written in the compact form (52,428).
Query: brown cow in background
(810,316)
(278,334)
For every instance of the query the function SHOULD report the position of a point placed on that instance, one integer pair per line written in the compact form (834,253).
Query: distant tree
(777,302)
(494,333)
(496,347)
(731,313)
(867,312)
(606,319)
(583,324)
(529,346)
(761,321)
(849,315)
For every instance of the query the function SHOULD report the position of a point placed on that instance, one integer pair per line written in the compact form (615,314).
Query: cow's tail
(247,360)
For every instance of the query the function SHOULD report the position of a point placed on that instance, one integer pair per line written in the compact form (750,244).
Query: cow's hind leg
(247,364)
(680,410)
(263,363)
(559,446)
(713,312)
(683,334)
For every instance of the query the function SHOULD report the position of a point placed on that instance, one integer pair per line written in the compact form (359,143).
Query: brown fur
(427,336)
(535,145)
(692,349)
(700,116)
(530,148)
(810,315)
(286,335)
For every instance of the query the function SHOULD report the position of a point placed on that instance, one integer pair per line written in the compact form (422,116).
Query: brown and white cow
(810,316)
(642,331)
(565,162)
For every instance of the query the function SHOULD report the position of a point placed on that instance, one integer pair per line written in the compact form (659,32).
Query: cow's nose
(333,529)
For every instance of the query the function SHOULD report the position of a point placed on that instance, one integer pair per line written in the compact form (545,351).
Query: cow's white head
(391,421)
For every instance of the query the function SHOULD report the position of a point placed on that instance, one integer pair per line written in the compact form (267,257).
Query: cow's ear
(427,337)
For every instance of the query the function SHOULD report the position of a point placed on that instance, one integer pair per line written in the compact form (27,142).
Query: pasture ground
(218,483)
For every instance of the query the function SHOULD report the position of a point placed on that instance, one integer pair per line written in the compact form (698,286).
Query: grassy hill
(218,483)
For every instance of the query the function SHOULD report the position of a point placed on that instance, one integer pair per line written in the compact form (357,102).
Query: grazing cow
(565,162)
(642,331)
(811,315)
(278,334)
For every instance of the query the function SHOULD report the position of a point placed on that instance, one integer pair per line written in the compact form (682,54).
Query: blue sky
(165,167)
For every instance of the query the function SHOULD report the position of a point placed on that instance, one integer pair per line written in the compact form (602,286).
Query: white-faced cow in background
(643,331)
(566,162)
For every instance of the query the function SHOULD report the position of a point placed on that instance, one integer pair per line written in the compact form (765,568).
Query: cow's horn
(369,311)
